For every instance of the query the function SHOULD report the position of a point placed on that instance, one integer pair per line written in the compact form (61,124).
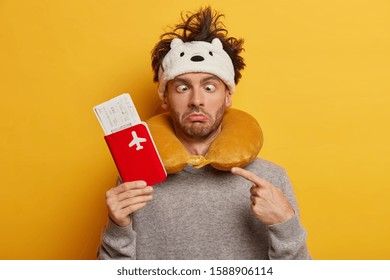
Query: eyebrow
(205,79)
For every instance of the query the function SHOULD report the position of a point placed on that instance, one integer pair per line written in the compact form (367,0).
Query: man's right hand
(125,199)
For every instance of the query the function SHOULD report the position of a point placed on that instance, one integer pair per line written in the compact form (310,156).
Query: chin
(198,133)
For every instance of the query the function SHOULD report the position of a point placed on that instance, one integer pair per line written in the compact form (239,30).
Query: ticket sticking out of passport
(117,114)
(130,142)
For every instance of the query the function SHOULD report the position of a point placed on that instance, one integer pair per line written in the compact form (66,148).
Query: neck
(198,146)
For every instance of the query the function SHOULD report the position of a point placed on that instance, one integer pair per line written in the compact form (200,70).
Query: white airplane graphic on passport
(136,141)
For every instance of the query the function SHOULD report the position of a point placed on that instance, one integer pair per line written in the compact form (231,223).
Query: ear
(217,43)
(164,102)
(176,42)
(228,99)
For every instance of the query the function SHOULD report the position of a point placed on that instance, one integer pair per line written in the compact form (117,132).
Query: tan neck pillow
(238,143)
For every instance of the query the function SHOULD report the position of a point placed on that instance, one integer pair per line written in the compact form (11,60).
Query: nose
(197,98)
(197,58)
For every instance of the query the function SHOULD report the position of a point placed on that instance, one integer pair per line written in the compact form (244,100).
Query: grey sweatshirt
(205,214)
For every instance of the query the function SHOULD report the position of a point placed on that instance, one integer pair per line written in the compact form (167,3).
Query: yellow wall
(317,80)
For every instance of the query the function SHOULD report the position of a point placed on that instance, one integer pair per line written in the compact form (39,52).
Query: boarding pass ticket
(117,114)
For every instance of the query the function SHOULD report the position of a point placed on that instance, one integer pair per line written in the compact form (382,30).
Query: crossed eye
(209,88)
(182,88)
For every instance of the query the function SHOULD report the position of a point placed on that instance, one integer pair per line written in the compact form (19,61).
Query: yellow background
(317,80)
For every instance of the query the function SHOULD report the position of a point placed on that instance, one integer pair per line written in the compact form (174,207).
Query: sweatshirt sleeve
(288,239)
(118,243)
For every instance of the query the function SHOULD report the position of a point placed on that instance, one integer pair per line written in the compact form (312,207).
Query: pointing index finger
(260,182)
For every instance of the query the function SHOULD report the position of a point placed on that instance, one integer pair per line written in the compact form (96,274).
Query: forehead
(196,77)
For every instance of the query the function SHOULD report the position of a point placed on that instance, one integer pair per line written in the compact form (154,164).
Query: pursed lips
(196,117)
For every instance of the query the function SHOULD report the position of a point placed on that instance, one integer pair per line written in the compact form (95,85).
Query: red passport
(135,155)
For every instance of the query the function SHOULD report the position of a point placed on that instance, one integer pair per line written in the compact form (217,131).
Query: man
(203,213)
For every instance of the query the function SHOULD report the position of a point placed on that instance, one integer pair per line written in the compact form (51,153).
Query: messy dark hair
(205,25)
